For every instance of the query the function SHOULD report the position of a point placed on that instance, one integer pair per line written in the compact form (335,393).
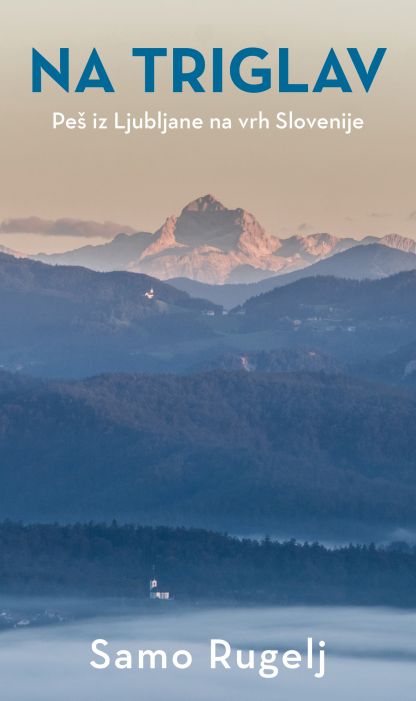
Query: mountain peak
(400,242)
(206,203)
(215,244)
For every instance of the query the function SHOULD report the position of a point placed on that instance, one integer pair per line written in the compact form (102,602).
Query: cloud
(379,215)
(64,227)
(412,216)
(305,227)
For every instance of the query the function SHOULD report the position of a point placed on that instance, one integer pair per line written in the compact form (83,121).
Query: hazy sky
(292,181)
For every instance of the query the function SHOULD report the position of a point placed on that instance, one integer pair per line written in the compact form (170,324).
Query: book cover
(207,350)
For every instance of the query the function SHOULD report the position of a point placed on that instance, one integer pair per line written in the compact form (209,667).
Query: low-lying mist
(370,654)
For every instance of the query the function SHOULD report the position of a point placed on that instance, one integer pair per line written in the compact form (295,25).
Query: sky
(294,182)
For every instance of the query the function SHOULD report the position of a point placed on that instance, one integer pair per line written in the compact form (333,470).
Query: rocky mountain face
(401,243)
(212,244)
(207,242)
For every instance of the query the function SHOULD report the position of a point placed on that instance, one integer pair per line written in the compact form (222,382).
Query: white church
(155,594)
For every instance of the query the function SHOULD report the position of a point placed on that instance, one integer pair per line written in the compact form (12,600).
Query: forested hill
(220,449)
(120,291)
(199,566)
(338,299)
(79,285)
(70,321)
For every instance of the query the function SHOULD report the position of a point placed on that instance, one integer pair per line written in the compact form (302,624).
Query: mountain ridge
(213,244)
(370,261)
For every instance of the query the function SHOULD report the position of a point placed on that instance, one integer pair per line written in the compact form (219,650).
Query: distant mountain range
(212,244)
(372,261)
(11,252)
(222,449)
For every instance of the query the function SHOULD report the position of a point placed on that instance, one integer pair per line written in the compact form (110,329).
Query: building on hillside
(154,593)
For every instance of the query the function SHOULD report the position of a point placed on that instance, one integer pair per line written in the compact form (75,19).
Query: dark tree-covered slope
(237,449)
(199,566)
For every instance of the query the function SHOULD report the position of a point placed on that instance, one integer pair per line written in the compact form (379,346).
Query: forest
(198,566)
(222,450)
